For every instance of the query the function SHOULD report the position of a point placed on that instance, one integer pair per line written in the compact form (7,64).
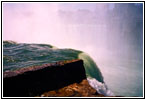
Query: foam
(100,87)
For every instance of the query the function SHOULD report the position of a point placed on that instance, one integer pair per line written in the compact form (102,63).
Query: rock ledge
(60,79)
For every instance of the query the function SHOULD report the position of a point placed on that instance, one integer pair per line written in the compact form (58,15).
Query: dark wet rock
(35,80)
(60,79)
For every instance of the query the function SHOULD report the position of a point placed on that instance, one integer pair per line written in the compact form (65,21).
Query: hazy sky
(83,26)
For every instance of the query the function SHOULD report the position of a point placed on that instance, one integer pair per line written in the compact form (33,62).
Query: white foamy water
(101,88)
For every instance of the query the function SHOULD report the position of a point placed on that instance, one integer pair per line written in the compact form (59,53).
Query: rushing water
(16,56)
(23,55)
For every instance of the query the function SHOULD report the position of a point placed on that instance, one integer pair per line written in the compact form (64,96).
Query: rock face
(82,89)
(65,78)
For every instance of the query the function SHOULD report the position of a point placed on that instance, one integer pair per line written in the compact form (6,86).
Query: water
(17,56)
(23,55)
(100,87)
(128,74)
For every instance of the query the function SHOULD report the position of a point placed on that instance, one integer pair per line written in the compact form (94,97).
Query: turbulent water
(24,55)
(16,55)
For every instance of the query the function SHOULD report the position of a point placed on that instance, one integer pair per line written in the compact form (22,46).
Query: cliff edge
(60,79)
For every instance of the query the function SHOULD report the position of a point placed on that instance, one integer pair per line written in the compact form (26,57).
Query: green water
(90,66)
(18,55)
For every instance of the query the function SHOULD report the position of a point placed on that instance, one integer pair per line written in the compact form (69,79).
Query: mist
(111,33)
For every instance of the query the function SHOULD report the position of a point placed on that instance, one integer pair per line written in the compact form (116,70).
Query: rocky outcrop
(32,81)
(64,78)
(82,89)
